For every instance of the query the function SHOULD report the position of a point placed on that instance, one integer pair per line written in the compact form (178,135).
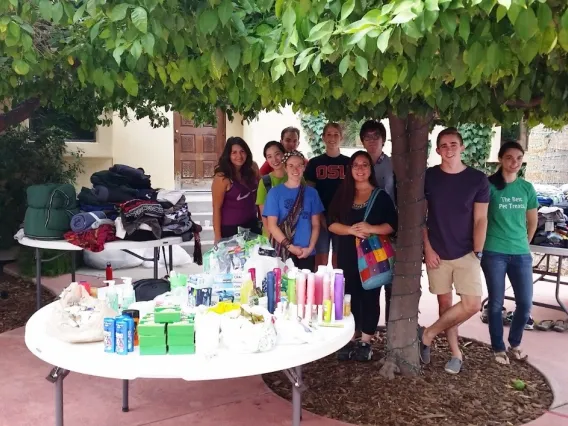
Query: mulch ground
(17,301)
(481,395)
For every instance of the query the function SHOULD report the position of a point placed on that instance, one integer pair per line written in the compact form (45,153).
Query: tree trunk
(19,113)
(409,154)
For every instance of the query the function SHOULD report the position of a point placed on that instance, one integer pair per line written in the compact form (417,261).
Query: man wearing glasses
(373,135)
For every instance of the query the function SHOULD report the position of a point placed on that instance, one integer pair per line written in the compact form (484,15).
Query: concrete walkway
(27,398)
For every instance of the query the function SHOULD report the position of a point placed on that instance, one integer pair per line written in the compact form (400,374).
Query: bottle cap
(133,313)
(347,298)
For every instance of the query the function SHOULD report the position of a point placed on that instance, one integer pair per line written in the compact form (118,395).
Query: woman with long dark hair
(347,213)
(234,191)
(511,223)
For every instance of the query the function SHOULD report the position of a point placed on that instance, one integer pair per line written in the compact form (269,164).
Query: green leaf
(474,55)
(148,42)
(320,31)
(432,5)
(94,33)
(404,16)
(233,56)
(383,40)
(234,95)
(544,16)
(118,13)
(305,62)
(79,13)
(179,44)
(464,27)
(208,21)
(501,13)
(27,42)
(316,64)
(151,70)
(344,65)
(45,9)
(289,19)
(139,18)
(278,69)
(361,66)
(513,13)
(217,64)
(20,66)
(56,12)
(449,22)
(390,76)
(136,50)
(564,21)
(493,56)
(526,24)
(563,39)
(549,40)
(130,84)
(117,53)
(14,30)
(225,11)
(347,9)
(505,3)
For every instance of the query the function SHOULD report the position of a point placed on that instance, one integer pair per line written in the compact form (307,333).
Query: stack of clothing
(552,229)
(549,195)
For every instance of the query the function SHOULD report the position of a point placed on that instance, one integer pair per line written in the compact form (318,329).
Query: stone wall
(547,156)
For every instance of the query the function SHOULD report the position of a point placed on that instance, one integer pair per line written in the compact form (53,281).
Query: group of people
(474,224)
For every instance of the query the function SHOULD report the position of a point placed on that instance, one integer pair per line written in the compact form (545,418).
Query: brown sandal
(501,358)
(518,354)
(560,326)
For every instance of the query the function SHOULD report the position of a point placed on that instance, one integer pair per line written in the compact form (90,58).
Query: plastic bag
(240,334)
(207,325)
(179,255)
(77,317)
(117,258)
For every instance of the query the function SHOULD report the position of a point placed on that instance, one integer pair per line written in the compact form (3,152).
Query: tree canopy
(465,60)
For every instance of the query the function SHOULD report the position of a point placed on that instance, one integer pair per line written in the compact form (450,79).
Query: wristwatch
(478,254)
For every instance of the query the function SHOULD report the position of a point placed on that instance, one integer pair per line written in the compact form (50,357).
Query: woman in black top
(347,223)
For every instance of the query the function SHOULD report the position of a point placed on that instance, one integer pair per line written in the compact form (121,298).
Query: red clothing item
(94,239)
(265,169)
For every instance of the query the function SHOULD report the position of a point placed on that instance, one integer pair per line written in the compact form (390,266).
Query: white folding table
(125,246)
(90,358)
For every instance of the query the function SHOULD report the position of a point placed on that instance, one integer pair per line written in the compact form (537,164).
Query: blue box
(121,336)
(130,332)
(109,332)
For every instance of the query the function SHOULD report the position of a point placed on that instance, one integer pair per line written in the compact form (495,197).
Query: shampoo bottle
(128,296)
(111,295)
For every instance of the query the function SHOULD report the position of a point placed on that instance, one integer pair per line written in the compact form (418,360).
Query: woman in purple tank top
(234,191)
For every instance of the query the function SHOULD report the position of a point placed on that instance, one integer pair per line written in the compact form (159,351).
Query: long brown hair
(345,195)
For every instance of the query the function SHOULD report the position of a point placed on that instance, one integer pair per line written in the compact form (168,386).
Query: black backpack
(147,289)
(267,182)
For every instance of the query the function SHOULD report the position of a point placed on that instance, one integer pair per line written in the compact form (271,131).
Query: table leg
(56,376)
(558,283)
(170,251)
(73,266)
(38,278)
(156,259)
(295,377)
(125,408)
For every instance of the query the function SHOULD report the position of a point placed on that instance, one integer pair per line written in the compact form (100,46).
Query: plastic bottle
(108,272)
(111,295)
(246,289)
(128,296)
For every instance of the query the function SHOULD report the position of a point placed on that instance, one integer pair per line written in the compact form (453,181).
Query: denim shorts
(326,240)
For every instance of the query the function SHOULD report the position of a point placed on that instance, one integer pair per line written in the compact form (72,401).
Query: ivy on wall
(313,127)
(477,140)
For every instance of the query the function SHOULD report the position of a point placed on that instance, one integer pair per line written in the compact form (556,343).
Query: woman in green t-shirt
(511,224)
(273,153)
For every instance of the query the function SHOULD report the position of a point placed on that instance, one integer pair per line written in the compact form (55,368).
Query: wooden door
(197,149)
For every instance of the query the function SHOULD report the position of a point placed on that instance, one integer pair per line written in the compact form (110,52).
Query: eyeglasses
(360,166)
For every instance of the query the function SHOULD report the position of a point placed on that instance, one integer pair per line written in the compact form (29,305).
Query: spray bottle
(128,296)
(111,295)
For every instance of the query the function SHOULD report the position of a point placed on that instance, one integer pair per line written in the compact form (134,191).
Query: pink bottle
(326,287)
(310,295)
(319,289)
(301,293)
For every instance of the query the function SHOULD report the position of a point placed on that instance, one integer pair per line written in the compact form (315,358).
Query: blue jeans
(519,270)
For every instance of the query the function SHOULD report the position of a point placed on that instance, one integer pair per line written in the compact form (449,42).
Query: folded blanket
(82,222)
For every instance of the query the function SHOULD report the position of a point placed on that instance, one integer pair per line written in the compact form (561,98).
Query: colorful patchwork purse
(375,255)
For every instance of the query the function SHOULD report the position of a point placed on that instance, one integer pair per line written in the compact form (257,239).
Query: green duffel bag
(50,209)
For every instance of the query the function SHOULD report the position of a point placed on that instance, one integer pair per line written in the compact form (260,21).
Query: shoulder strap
(267,182)
(372,199)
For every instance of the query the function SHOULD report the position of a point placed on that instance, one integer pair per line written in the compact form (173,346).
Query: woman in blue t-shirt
(511,224)
(292,213)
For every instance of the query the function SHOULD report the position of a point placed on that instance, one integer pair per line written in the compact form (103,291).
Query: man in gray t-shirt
(373,135)
(457,199)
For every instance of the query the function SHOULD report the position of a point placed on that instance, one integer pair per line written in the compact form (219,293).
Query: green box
(181,328)
(181,340)
(153,350)
(167,315)
(181,350)
(151,329)
(153,340)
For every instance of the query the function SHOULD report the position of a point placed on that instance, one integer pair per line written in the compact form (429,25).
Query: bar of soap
(181,340)
(153,350)
(146,340)
(181,350)
(181,328)
(151,329)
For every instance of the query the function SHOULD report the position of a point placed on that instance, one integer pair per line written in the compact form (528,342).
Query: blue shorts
(326,240)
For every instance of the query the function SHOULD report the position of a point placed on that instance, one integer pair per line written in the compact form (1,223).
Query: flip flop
(545,325)
(518,354)
(501,358)
(560,326)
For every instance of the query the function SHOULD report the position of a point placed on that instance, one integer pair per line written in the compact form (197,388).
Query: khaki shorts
(464,273)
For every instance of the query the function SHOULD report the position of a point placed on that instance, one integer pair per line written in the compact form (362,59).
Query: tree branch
(524,105)
(19,113)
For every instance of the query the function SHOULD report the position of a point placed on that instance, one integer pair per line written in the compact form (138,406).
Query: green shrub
(54,268)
